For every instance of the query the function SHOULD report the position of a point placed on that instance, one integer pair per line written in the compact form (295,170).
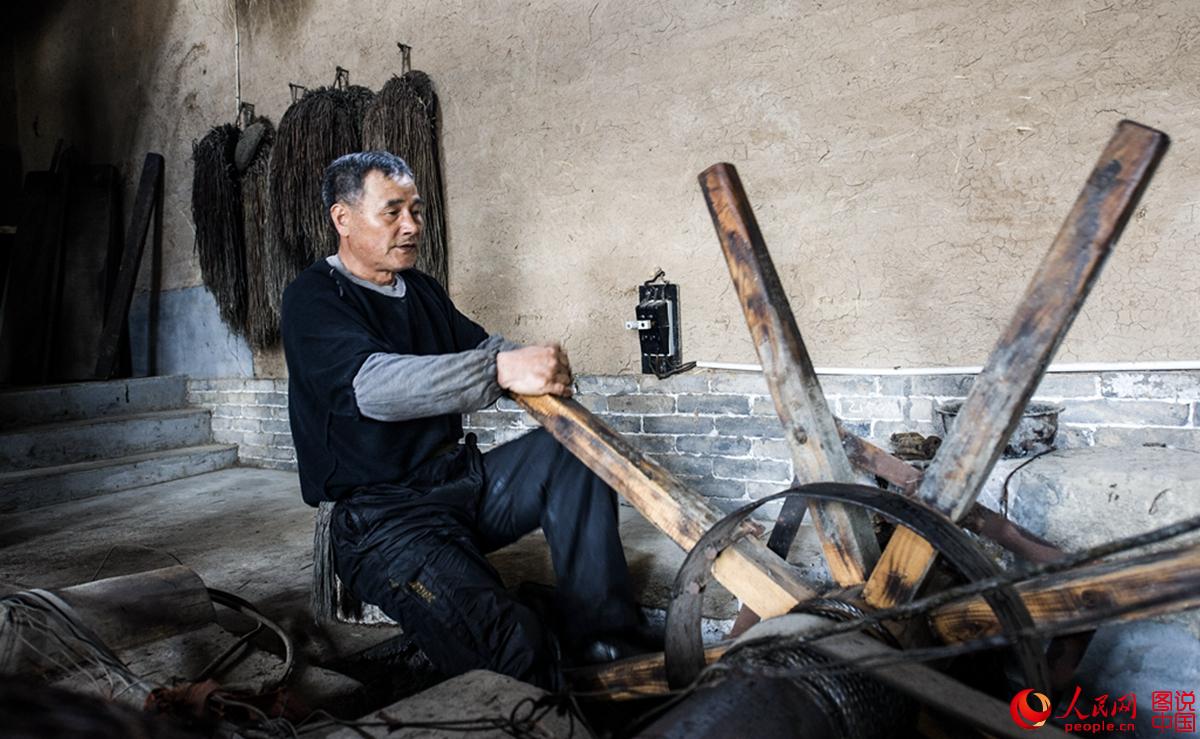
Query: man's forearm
(397,387)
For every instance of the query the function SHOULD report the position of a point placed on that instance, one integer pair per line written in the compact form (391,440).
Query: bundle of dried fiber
(403,119)
(263,262)
(359,98)
(217,215)
(318,128)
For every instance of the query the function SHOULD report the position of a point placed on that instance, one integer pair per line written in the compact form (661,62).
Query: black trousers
(416,549)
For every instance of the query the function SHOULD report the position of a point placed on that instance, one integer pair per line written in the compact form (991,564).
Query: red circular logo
(1024,714)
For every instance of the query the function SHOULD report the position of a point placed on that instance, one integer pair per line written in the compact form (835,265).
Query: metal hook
(297,90)
(245,115)
(405,57)
(341,78)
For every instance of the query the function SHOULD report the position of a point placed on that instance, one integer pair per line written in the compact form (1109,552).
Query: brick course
(717,430)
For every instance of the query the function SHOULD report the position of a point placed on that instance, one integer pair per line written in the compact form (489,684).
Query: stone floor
(246,531)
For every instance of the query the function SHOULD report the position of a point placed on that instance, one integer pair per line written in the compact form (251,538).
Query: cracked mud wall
(909,162)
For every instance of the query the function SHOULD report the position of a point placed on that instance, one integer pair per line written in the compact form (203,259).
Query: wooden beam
(1000,392)
(753,573)
(847,534)
(1162,582)
(872,459)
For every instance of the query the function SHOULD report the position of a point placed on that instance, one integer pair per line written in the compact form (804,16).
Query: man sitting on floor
(381,368)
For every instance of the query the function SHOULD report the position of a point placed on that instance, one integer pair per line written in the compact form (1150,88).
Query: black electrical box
(657,325)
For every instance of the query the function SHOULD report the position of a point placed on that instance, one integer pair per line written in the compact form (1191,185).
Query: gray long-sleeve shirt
(397,387)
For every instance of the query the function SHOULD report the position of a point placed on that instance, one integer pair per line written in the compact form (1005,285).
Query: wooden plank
(870,458)
(747,569)
(847,534)
(34,280)
(145,206)
(1151,585)
(87,265)
(25,288)
(1000,392)
(642,676)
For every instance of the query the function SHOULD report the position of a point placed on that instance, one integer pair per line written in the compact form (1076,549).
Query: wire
(212,667)
(1009,477)
(229,600)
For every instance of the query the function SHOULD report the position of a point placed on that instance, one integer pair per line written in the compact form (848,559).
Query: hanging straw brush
(252,158)
(217,215)
(322,125)
(403,119)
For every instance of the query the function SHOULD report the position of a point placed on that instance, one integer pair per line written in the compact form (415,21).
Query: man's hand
(535,370)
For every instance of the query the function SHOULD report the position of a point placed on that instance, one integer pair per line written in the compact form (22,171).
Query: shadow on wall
(85,68)
(80,80)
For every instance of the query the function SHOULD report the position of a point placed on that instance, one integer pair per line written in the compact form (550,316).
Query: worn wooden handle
(747,569)
(847,534)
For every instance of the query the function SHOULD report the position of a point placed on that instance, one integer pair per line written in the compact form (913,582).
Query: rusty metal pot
(1034,434)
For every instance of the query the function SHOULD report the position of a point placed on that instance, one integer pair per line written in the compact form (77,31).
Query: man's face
(383,230)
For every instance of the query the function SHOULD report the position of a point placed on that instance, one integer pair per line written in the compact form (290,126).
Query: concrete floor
(246,531)
(242,530)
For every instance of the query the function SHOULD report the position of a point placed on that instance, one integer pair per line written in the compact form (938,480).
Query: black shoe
(607,648)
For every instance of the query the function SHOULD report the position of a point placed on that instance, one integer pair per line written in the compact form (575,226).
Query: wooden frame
(768,584)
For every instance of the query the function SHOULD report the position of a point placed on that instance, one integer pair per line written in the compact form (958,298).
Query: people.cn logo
(1024,714)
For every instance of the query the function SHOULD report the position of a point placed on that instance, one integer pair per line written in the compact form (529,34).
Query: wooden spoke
(1000,393)
(847,534)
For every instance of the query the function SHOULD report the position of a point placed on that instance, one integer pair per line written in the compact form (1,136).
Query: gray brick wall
(252,414)
(718,430)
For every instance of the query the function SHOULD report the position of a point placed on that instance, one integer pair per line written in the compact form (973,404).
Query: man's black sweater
(330,326)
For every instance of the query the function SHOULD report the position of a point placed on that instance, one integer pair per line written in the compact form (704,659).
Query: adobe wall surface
(909,162)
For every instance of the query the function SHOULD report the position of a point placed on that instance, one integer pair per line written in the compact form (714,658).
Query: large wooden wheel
(822,452)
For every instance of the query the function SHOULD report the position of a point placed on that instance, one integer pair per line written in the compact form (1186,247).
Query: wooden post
(1000,393)
(847,534)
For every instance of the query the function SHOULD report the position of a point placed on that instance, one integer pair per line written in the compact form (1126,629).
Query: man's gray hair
(343,180)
